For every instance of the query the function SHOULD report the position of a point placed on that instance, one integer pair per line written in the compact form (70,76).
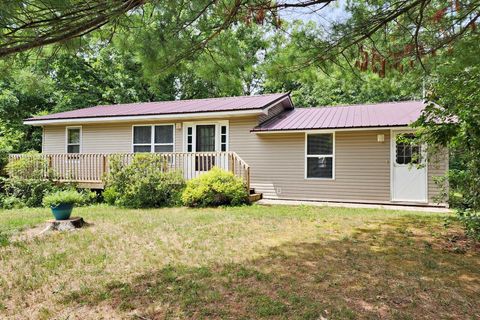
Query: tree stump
(66,225)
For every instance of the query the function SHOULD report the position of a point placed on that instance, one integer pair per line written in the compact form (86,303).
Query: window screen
(142,135)
(164,138)
(73,140)
(319,158)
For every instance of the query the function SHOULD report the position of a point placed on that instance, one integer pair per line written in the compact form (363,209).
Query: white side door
(409,169)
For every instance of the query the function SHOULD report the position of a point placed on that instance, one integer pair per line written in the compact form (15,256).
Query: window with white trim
(320,156)
(153,138)
(223,138)
(74,139)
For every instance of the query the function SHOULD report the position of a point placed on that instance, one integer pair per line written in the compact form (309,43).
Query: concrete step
(254,197)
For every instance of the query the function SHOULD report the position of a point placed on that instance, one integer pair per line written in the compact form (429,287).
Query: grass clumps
(215,188)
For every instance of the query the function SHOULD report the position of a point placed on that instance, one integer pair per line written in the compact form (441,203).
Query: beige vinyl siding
(437,167)
(54,140)
(277,160)
(100,138)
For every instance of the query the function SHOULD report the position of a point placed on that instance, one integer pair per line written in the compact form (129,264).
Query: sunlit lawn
(277,262)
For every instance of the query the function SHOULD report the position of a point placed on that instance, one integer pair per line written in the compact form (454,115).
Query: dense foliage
(27,184)
(215,188)
(144,183)
(21,192)
(456,104)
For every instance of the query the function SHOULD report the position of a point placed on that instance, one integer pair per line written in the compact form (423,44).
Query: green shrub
(145,183)
(89,197)
(65,196)
(110,195)
(11,202)
(31,166)
(27,191)
(215,188)
(471,223)
(29,180)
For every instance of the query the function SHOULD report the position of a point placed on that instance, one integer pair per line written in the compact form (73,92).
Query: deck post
(248,179)
(232,157)
(49,166)
(104,164)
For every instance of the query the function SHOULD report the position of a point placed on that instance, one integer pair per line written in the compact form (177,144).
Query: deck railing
(91,168)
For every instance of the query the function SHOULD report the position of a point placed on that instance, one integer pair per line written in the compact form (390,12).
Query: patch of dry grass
(250,262)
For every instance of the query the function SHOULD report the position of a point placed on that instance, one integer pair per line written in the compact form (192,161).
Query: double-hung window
(74,138)
(320,159)
(154,138)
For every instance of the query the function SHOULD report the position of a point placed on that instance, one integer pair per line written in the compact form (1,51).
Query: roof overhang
(284,131)
(173,116)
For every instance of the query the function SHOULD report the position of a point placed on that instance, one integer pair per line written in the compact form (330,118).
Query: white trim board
(332,130)
(175,116)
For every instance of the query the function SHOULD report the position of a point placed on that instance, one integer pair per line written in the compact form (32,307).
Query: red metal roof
(388,114)
(169,107)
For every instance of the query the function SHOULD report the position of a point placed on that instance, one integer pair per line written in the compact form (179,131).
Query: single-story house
(343,153)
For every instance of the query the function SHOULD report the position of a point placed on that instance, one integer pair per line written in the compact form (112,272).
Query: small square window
(406,150)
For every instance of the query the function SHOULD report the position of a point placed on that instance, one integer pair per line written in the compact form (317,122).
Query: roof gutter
(173,116)
(313,130)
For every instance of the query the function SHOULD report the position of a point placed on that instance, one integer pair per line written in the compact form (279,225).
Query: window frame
(420,160)
(320,155)
(152,143)
(67,144)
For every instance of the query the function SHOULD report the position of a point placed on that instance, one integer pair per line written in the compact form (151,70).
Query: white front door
(208,140)
(409,169)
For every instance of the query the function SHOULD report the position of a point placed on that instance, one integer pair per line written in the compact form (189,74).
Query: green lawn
(276,262)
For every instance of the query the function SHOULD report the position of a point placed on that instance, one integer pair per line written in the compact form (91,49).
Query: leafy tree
(455,102)
(341,83)
(174,30)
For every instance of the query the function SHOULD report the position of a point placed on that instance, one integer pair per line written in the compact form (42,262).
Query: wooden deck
(88,170)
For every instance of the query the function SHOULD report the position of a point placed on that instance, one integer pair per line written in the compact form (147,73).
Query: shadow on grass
(385,272)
